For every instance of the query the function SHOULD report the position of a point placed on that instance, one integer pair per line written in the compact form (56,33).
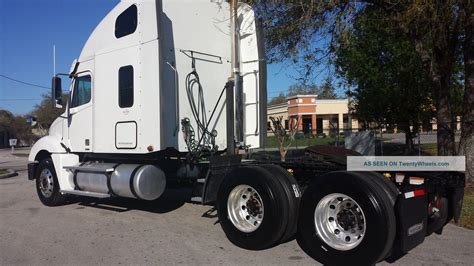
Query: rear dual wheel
(292,193)
(346,218)
(257,207)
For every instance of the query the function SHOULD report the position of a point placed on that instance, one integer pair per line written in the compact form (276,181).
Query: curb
(10,173)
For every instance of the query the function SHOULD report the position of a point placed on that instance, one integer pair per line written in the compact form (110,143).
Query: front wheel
(47,185)
(346,218)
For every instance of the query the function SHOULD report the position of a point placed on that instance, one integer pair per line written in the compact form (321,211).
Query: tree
(440,30)
(300,33)
(434,27)
(6,118)
(466,144)
(45,113)
(327,91)
(22,131)
(390,84)
(307,33)
(284,137)
(16,126)
(281,98)
(295,89)
(301,89)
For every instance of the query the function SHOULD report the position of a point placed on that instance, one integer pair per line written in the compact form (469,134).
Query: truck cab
(129,90)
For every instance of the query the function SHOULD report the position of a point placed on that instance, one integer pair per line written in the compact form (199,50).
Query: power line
(14,100)
(23,82)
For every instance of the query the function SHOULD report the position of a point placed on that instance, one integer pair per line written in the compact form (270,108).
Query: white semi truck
(174,91)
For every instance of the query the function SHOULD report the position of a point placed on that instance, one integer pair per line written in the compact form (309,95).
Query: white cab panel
(203,28)
(65,177)
(50,143)
(81,117)
(249,68)
(107,110)
(160,51)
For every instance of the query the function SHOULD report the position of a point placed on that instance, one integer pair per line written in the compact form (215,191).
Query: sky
(30,28)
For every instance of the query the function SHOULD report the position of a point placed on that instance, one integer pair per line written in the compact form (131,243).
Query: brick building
(316,116)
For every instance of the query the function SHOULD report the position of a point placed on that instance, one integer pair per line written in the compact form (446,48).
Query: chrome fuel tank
(139,181)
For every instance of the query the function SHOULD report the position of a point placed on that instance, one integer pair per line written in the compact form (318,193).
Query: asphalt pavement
(167,231)
(425,138)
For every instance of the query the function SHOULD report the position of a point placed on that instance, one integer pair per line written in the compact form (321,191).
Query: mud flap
(412,213)
(456,200)
(32,170)
(220,167)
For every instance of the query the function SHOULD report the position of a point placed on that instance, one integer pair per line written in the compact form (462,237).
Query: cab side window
(126,22)
(82,91)
(125,86)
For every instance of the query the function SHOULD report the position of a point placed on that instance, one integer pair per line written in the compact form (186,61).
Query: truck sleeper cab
(152,104)
(147,67)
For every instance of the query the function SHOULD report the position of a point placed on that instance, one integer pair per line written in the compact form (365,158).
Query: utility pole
(54,60)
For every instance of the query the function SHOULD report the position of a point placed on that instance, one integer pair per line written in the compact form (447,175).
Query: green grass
(272,141)
(430,149)
(467,213)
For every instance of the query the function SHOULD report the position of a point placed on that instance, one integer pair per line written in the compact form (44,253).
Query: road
(167,231)
(425,138)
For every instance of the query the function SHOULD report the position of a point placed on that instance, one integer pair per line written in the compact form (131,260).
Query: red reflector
(416,193)
(419,192)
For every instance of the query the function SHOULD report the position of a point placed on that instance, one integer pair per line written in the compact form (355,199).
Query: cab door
(80,120)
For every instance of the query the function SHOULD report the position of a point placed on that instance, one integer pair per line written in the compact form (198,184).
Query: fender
(50,143)
(60,157)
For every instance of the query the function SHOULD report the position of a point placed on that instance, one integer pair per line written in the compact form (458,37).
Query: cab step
(86,193)
(89,169)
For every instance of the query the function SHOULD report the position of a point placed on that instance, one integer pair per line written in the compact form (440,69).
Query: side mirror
(32,121)
(57,92)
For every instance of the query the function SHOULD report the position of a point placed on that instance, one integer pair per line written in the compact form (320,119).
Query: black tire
(275,203)
(392,192)
(49,195)
(293,195)
(389,187)
(380,222)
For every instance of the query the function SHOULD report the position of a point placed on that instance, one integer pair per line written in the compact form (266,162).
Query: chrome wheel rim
(46,183)
(245,208)
(340,221)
